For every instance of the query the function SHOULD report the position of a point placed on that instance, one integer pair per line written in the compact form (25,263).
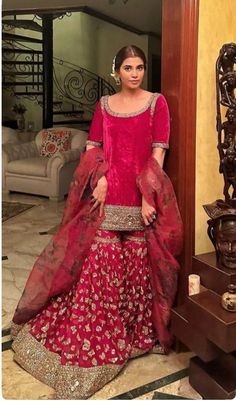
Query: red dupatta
(58,267)
(164,241)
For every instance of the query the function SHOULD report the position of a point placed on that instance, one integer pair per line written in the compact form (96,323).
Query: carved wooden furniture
(210,331)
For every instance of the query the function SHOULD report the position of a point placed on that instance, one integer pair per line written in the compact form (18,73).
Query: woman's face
(131,72)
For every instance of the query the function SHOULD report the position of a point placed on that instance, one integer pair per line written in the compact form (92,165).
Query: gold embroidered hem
(138,352)
(15,329)
(69,382)
(157,349)
(122,218)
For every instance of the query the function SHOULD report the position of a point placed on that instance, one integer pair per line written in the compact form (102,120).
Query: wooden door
(179,83)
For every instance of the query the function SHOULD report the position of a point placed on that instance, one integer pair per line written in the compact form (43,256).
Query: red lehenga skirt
(83,338)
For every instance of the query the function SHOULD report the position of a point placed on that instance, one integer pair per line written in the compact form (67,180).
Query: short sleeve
(95,136)
(161,124)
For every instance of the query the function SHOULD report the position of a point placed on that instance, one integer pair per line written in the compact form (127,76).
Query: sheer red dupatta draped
(164,242)
(58,266)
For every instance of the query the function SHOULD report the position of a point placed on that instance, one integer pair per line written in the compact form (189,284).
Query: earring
(117,80)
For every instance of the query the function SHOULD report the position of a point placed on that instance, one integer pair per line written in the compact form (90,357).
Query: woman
(101,291)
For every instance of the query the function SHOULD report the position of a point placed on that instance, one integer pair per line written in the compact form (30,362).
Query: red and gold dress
(82,336)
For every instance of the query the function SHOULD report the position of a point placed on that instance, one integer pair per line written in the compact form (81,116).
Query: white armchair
(24,170)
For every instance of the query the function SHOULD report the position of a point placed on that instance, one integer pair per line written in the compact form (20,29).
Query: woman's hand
(99,195)
(148,212)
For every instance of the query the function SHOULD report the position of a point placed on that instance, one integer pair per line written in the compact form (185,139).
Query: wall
(86,42)
(217,22)
(82,40)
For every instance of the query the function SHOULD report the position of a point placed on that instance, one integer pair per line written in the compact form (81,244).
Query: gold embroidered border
(69,381)
(157,349)
(135,239)
(122,218)
(105,105)
(138,352)
(107,240)
(15,329)
(160,145)
(153,103)
(93,143)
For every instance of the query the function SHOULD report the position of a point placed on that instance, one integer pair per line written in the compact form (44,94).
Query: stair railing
(23,67)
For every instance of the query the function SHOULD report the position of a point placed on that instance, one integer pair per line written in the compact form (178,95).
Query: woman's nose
(134,73)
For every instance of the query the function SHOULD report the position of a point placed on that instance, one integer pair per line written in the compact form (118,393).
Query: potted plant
(20,110)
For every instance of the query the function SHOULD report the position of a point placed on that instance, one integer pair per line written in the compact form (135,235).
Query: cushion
(54,142)
(36,166)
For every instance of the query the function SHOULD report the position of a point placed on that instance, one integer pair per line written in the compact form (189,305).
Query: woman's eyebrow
(128,65)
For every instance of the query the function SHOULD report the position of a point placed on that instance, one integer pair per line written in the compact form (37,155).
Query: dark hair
(129,51)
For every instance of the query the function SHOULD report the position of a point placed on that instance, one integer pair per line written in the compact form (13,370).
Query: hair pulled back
(129,51)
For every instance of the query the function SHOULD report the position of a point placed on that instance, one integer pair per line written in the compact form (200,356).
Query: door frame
(179,85)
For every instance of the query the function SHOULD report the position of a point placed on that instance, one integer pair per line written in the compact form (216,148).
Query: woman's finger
(95,205)
(146,222)
(101,209)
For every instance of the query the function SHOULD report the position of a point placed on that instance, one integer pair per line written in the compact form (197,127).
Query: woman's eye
(127,68)
(140,67)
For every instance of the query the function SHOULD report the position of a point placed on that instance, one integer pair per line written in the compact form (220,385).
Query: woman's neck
(130,93)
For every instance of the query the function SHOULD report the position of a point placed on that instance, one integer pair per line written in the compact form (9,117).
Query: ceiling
(140,14)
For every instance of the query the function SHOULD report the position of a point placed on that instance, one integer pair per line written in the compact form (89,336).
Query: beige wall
(217,25)
(84,41)
(92,43)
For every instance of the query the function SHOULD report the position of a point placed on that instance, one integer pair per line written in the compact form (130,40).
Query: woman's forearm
(159,155)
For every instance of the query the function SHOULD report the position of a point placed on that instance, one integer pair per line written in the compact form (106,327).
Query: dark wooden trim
(84,9)
(179,85)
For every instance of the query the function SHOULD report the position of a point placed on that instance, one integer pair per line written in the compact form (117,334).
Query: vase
(20,122)
(228,299)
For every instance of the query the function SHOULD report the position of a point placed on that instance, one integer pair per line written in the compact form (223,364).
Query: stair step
(71,122)
(23,51)
(31,93)
(55,102)
(70,112)
(21,62)
(26,83)
(13,73)
(20,38)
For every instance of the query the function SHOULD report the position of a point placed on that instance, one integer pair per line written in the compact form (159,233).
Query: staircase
(75,89)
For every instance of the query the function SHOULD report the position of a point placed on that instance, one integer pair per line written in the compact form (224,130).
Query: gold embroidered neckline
(131,114)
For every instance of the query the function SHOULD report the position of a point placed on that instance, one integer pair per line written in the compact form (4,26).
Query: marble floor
(23,238)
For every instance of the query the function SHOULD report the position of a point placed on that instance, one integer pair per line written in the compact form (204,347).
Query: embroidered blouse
(127,140)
